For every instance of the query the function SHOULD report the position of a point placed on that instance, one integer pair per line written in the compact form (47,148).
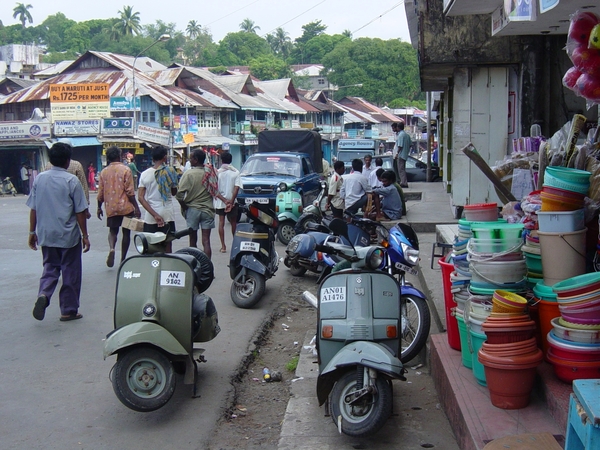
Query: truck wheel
(367,414)
(249,291)
(415,323)
(143,379)
(285,232)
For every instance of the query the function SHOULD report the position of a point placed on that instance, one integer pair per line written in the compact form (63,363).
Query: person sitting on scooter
(355,188)
(334,201)
(391,205)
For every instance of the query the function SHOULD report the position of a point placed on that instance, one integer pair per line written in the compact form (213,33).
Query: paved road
(54,385)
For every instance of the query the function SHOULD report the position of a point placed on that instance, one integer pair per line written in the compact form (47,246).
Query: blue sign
(117,126)
(124,103)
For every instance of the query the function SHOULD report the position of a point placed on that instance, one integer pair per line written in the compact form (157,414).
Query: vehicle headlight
(375,258)
(141,243)
(282,187)
(410,254)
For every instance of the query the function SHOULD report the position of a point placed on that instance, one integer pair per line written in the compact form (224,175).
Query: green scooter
(160,313)
(289,207)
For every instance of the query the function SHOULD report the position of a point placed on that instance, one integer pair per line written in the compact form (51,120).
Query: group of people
(59,209)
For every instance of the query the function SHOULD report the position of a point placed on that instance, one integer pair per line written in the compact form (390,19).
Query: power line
(379,16)
(232,13)
(294,18)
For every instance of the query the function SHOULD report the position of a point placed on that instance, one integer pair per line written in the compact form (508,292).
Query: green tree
(128,22)
(193,29)
(249,26)
(54,29)
(269,67)
(237,49)
(387,69)
(280,43)
(309,31)
(22,12)
(315,50)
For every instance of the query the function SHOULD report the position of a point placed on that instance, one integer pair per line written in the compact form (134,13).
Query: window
(148,116)
(321,81)
(208,119)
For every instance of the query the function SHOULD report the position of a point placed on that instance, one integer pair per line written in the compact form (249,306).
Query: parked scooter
(312,213)
(288,206)
(253,258)
(358,335)
(7,188)
(160,312)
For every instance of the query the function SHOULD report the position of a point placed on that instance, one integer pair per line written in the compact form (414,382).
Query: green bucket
(465,338)
(477,340)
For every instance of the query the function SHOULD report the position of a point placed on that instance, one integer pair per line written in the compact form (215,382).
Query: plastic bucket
(478,369)
(498,272)
(563,255)
(465,340)
(546,312)
(450,304)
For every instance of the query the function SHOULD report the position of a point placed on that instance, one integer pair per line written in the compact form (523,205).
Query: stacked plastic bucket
(509,354)
(574,341)
(561,223)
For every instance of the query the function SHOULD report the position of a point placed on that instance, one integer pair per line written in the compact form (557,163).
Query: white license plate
(406,268)
(333,294)
(172,278)
(247,246)
(263,201)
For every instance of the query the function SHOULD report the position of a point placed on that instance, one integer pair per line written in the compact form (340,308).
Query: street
(54,383)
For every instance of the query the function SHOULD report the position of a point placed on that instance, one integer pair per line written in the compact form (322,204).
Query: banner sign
(124,103)
(152,134)
(22,130)
(79,101)
(76,127)
(117,126)
(124,145)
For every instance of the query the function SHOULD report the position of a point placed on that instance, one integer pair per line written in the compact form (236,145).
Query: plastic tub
(497,230)
(481,212)
(568,370)
(569,174)
(586,316)
(563,193)
(576,351)
(578,285)
(494,246)
(498,272)
(575,335)
(553,203)
(544,292)
(557,221)
(551,180)
(563,255)
(533,262)
(465,340)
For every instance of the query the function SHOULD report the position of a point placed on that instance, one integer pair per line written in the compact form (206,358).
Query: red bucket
(451,323)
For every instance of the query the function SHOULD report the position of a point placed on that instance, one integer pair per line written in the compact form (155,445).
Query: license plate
(263,201)
(247,246)
(405,268)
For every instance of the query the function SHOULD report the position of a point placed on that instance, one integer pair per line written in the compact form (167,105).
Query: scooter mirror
(339,227)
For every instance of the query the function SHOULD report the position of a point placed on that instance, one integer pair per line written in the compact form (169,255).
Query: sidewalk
(441,405)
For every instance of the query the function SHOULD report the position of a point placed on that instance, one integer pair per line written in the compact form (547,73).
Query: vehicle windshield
(348,156)
(271,165)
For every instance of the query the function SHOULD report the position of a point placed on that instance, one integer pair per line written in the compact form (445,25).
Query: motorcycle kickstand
(195,389)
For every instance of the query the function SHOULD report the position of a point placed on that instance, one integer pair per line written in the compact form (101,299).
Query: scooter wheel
(248,292)
(205,274)
(365,415)
(296,270)
(285,232)
(143,379)
(415,323)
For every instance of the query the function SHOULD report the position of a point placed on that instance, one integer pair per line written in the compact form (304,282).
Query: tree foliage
(22,12)
(269,67)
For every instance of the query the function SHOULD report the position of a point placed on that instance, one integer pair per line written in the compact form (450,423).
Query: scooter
(358,335)
(288,206)
(253,258)
(160,312)
(7,188)
(312,213)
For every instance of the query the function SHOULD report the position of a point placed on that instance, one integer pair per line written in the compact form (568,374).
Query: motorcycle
(288,206)
(312,213)
(253,258)
(358,334)
(160,312)
(7,188)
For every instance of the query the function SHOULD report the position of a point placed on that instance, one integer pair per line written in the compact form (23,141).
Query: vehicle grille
(359,332)
(263,190)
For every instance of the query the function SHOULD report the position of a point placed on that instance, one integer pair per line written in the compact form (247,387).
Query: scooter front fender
(142,333)
(363,353)
(250,262)
(410,290)
(282,217)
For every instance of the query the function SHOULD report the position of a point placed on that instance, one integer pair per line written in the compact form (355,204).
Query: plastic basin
(575,335)
(578,285)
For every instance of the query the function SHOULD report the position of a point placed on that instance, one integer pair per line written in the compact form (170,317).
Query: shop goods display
(547,311)
(568,248)
(573,360)
(481,212)
(579,299)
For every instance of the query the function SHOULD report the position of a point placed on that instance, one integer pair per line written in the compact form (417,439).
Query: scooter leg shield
(250,262)
(364,353)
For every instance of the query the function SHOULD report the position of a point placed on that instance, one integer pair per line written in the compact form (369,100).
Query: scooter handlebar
(182,233)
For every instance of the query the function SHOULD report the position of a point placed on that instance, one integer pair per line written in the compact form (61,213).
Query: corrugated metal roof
(360,104)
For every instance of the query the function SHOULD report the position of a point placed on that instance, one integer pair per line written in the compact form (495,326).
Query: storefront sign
(79,101)
(124,103)
(152,134)
(125,146)
(22,130)
(117,126)
(76,127)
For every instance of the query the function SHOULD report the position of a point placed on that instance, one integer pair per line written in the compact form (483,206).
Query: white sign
(172,278)
(356,143)
(76,127)
(153,134)
(21,130)
(247,246)
(333,294)
(262,201)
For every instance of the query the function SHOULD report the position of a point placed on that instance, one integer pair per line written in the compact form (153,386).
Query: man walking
(355,188)
(401,149)
(229,182)
(57,223)
(116,192)
(334,201)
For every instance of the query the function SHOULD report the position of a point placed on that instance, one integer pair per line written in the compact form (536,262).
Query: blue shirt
(56,197)
(404,142)
(392,203)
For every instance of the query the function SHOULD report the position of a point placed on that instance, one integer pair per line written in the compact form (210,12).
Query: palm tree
(248,26)
(193,29)
(347,33)
(129,21)
(21,11)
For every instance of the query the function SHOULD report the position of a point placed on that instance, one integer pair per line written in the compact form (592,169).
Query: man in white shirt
(373,179)
(230,183)
(334,201)
(355,188)
(368,167)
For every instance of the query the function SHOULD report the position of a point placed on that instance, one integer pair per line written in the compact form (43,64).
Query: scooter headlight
(282,187)
(375,258)
(141,243)
(410,254)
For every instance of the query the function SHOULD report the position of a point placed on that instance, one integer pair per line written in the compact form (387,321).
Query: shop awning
(216,140)
(83,141)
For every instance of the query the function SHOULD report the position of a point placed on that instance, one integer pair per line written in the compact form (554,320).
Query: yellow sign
(124,145)
(79,101)
(188,138)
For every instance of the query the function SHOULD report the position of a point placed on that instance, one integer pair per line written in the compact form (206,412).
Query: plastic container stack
(574,341)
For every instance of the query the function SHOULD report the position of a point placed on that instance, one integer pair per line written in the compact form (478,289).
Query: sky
(384,19)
